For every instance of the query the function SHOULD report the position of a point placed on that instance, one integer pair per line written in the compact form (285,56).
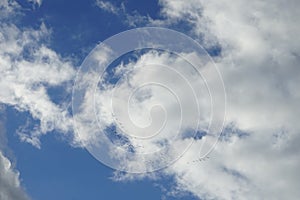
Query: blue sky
(248,66)
(81,24)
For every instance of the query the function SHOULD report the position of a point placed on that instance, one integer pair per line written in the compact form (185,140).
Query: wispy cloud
(132,19)
(109,7)
(37,2)
(28,67)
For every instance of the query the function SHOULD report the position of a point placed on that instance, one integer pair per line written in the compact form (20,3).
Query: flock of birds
(202,159)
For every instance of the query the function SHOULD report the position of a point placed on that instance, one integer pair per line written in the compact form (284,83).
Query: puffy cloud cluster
(256,157)
(259,62)
(9,181)
(150,102)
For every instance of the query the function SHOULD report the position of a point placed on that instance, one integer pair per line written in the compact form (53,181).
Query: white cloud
(168,106)
(108,6)
(27,68)
(10,185)
(8,8)
(132,19)
(263,99)
(260,66)
(259,63)
(37,2)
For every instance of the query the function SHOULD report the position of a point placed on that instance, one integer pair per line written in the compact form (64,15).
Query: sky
(163,99)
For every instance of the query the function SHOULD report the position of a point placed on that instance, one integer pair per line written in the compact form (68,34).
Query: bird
(199,160)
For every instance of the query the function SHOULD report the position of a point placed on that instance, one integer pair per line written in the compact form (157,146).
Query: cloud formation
(27,69)
(256,157)
(259,62)
(131,19)
(10,183)
(10,186)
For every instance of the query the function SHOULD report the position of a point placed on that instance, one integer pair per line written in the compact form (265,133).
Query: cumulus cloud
(10,185)
(151,101)
(256,157)
(259,62)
